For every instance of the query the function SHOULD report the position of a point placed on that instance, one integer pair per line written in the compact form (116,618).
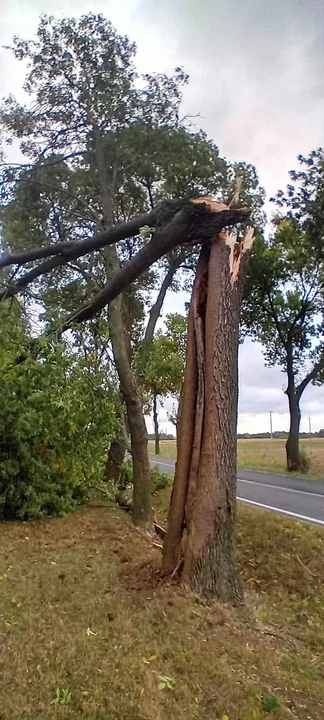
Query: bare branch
(312,375)
(157,307)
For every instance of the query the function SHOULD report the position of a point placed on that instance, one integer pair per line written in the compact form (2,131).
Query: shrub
(160,480)
(305,462)
(56,420)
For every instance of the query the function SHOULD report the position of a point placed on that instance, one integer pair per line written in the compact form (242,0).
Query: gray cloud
(256,73)
(262,390)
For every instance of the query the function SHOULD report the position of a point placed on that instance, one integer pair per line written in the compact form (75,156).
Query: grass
(264,454)
(89,632)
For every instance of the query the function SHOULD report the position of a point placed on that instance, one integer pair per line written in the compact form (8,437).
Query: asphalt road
(300,498)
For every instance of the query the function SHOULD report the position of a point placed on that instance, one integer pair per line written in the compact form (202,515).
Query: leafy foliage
(165,367)
(284,295)
(160,480)
(303,200)
(56,420)
(283,306)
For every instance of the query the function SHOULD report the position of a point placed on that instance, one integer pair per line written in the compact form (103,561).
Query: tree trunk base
(202,519)
(292,444)
(215,573)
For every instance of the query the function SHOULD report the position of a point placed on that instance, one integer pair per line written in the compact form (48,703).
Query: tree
(284,300)
(163,375)
(120,149)
(201,528)
(83,78)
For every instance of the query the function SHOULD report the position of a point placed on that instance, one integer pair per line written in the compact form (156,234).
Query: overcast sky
(256,78)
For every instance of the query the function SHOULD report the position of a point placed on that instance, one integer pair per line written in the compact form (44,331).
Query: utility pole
(309,426)
(271,433)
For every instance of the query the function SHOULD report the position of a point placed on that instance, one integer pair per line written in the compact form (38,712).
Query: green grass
(264,454)
(90,632)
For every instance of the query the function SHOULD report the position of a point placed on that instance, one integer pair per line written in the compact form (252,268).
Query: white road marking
(284,512)
(306,518)
(281,487)
(262,484)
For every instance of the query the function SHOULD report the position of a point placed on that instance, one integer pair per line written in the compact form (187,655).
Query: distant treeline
(278,435)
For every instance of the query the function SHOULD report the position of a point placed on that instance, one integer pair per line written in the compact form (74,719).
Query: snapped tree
(84,127)
(114,141)
(100,146)
(204,219)
(201,530)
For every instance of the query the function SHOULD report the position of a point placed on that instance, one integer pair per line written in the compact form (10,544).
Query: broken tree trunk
(201,531)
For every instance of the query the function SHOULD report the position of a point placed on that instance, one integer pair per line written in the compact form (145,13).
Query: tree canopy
(103,204)
(284,296)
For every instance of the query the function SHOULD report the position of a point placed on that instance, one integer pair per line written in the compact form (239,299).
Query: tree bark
(292,444)
(293,394)
(202,519)
(156,425)
(142,503)
(115,459)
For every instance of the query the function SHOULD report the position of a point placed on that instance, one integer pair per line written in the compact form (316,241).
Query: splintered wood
(237,250)
(210,204)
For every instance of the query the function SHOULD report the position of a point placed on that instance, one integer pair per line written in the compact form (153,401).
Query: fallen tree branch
(305,567)
(160,531)
(157,545)
(73,249)
(195,221)
(175,222)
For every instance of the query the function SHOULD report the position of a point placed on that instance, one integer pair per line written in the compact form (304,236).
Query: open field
(87,626)
(264,454)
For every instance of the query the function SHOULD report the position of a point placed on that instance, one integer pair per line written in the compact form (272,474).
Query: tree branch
(310,376)
(13,289)
(275,318)
(74,249)
(195,221)
(157,307)
(199,220)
